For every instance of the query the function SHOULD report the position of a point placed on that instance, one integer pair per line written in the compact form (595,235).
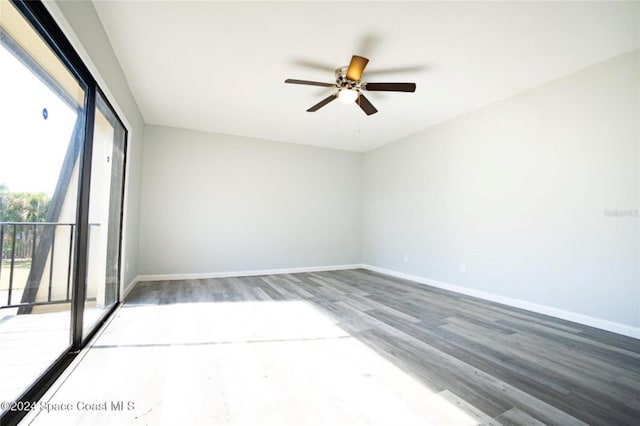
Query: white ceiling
(220,66)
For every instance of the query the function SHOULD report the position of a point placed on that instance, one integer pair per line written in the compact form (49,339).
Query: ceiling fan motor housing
(342,81)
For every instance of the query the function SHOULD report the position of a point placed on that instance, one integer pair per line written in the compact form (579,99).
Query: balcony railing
(31,263)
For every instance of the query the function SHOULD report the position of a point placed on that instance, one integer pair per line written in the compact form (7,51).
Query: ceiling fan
(350,87)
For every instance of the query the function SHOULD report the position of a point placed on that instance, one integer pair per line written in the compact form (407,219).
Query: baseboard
(125,291)
(205,275)
(625,330)
(614,327)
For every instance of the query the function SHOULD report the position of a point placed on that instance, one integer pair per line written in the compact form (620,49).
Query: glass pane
(105,202)
(41,131)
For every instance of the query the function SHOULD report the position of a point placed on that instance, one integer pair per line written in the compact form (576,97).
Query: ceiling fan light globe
(347,96)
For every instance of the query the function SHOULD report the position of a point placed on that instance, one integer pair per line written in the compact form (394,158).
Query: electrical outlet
(405,258)
(463,267)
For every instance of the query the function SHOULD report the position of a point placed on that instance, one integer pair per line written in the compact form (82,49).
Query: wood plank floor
(375,350)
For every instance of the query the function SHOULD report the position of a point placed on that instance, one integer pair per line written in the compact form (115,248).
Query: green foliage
(22,206)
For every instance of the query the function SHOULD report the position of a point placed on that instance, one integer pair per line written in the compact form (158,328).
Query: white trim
(205,275)
(600,323)
(125,291)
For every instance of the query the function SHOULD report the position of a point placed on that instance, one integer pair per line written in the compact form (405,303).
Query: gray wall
(81,24)
(215,203)
(521,193)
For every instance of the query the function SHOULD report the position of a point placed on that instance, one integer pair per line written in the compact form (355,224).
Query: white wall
(215,203)
(519,192)
(80,23)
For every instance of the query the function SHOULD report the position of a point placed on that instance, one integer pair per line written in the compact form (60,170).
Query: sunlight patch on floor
(29,344)
(242,363)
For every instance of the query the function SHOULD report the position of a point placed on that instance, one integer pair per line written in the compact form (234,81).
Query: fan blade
(356,67)
(390,87)
(313,65)
(323,103)
(397,70)
(368,44)
(309,83)
(366,105)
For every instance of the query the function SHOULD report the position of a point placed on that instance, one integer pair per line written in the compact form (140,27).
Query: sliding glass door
(105,205)
(41,128)
(62,158)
